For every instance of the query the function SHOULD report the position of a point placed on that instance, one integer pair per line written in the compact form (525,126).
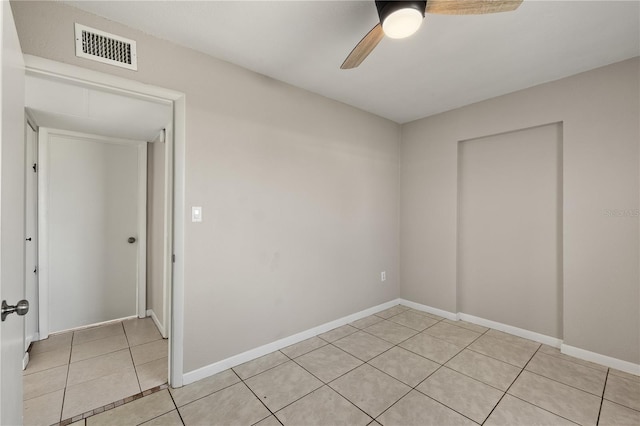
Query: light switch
(196,214)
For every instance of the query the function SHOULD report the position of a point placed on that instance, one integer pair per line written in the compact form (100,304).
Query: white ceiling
(452,61)
(71,107)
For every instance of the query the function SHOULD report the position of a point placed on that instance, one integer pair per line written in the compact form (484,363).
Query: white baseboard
(520,332)
(429,309)
(618,364)
(25,360)
(30,339)
(252,354)
(156,321)
(83,327)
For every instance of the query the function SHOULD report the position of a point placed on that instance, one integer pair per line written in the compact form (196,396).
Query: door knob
(21,308)
(131,240)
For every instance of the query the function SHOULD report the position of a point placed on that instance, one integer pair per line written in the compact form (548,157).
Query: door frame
(175,157)
(33,304)
(44,134)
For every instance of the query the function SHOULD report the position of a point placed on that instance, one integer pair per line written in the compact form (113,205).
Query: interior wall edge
(156,321)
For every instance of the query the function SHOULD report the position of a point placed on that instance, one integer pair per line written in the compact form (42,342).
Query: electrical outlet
(383,276)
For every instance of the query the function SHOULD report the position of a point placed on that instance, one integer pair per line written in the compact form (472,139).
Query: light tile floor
(72,373)
(399,367)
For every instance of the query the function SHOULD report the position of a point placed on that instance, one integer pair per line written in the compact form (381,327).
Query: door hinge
(35,270)
(35,168)
(173,258)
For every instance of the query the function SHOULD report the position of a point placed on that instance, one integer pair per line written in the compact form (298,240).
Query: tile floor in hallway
(398,367)
(75,372)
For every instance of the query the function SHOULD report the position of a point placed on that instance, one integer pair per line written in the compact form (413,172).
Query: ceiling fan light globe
(402,23)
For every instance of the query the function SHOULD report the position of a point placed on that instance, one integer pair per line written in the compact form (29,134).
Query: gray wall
(599,111)
(299,192)
(509,217)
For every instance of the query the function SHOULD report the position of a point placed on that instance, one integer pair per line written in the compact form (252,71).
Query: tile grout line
(123,401)
(604,388)
(394,345)
(66,380)
(112,405)
(327,383)
(542,408)
(175,405)
(398,345)
(271,413)
(507,390)
(531,403)
(436,370)
(566,384)
(555,356)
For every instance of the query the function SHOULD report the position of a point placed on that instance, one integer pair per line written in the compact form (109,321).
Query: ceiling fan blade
(362,49)
(471,7)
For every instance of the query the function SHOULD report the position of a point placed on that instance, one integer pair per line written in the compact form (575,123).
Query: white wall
(599,111)
(299,192)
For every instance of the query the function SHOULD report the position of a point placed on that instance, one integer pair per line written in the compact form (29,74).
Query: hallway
(73,373)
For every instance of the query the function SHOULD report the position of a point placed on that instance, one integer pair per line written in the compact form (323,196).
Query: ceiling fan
(400,19)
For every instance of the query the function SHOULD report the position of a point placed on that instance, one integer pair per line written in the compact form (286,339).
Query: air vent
(106,48)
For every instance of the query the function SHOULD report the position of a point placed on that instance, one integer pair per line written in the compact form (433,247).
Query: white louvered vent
(106,48)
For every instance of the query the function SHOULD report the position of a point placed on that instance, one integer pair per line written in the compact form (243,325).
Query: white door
(92,226)
(11,217)
(31,234)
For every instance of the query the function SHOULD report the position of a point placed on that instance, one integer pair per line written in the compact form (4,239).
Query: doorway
(172,148)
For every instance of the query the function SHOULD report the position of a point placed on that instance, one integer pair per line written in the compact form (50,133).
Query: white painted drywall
(92,206)
(510,229)
(600,112)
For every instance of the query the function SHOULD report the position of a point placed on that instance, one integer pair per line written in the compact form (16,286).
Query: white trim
(618,364)
(37,66)
(605,360)
(96,324)
(520,332)
(429,309)
(81,76)
(30,125)
(43,235)
(141,293)
(30,339)
(168,220)
(153,316)
(176,327)
(25,360)
(252,354)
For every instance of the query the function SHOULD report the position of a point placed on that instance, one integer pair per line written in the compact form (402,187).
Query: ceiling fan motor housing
(386,8)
